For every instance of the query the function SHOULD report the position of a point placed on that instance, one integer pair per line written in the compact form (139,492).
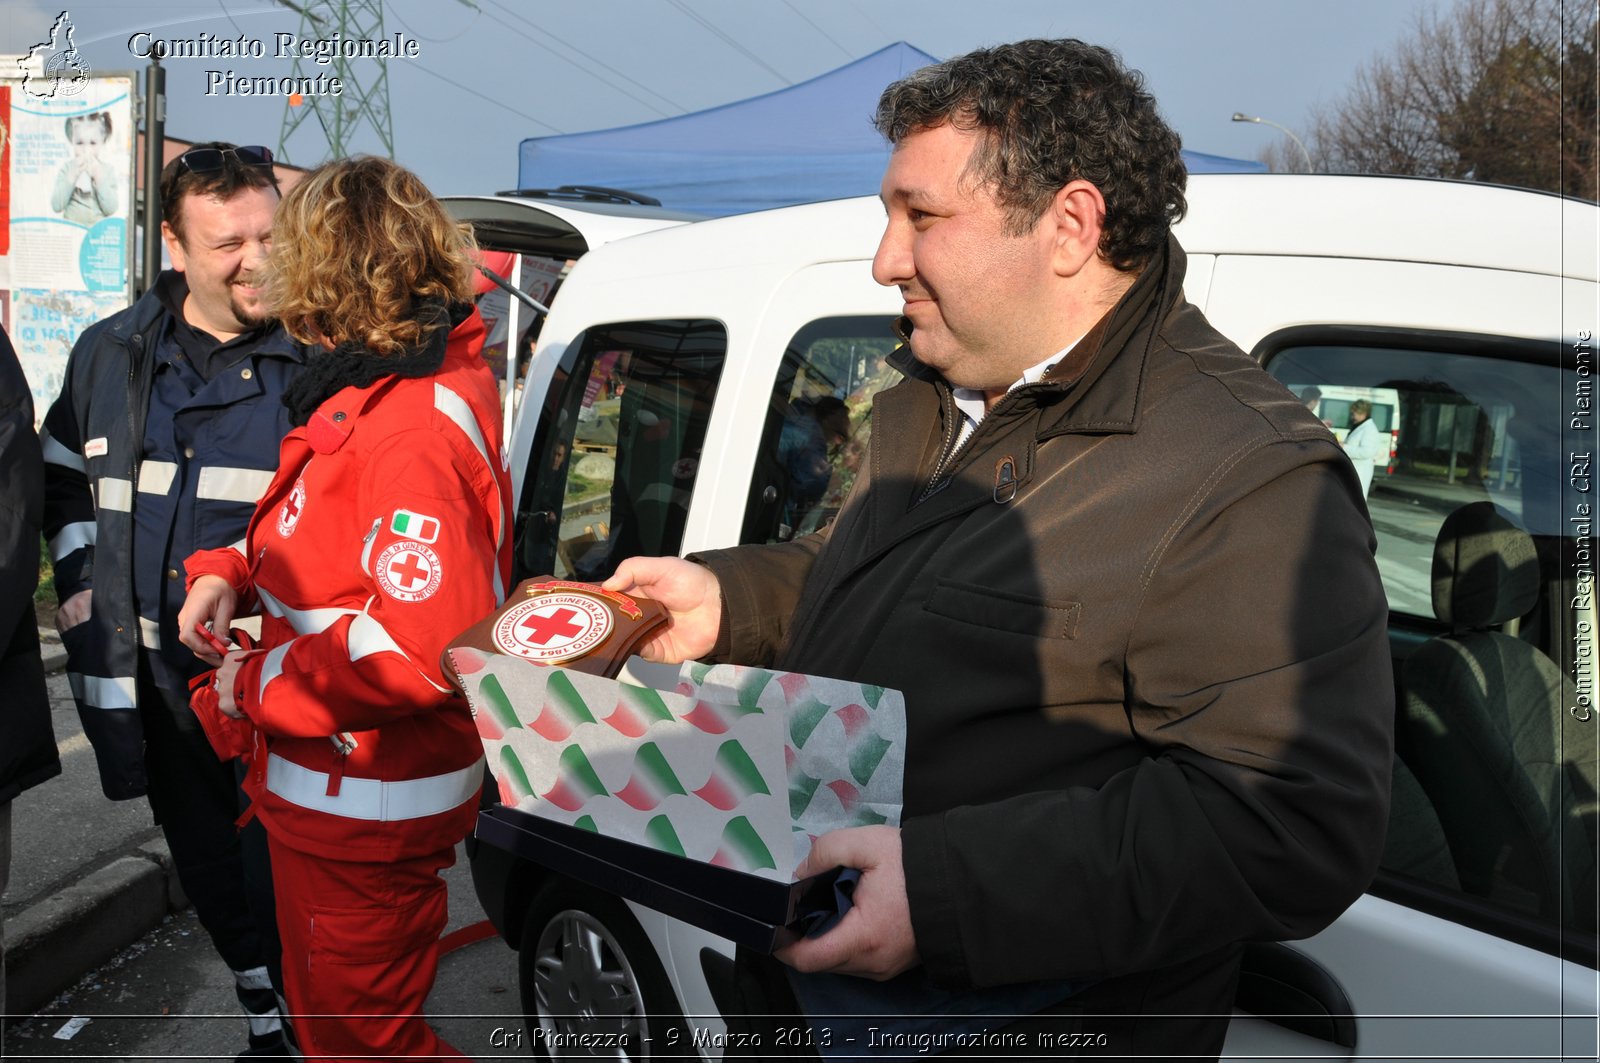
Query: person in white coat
(1366,446)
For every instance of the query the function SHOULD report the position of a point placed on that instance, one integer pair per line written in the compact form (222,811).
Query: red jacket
(385,533)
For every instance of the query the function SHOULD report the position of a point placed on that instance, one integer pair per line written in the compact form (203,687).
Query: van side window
(618,447)
(1477,518)
(818,424)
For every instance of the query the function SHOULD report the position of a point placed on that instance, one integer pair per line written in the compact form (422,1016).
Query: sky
(489,73)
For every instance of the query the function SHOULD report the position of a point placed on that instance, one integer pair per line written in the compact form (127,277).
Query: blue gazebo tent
(801,144)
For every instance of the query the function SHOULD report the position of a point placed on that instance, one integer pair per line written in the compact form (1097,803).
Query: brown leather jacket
(1147,684)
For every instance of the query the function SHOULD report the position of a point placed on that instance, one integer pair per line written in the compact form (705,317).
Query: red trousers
(360,948)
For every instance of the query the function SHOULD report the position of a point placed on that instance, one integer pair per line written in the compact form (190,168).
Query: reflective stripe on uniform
(225,484)
(155,477)
(264,1025)
(367,636)
(260,1002)
(304,621)
(103,692)
(455,407)
(72,537)
(272,668)
(56,454)
(373,799)
(113,493)
(150,634)
(254,978)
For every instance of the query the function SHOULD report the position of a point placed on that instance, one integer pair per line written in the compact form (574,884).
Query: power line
(466,29)
(591,58)
(487,99)
(229,16)
(876,25)
(544,47)
(819,29)
(747,53)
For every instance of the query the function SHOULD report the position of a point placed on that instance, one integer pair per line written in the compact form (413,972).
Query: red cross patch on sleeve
(408,571)
(289,513)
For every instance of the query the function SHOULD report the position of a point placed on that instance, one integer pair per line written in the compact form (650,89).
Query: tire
(592,987)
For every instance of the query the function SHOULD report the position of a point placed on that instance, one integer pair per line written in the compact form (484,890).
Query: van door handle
(1287,987)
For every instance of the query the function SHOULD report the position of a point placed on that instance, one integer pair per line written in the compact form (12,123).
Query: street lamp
(1238,117)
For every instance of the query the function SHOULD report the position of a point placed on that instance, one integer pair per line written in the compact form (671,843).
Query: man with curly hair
(164,436)
(1123,577)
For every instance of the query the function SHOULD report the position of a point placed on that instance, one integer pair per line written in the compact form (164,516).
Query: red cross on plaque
(291,508)
(542,629)
(408,570)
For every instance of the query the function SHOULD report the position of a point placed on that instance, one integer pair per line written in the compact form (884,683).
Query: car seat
(1415,845)
(1485,725)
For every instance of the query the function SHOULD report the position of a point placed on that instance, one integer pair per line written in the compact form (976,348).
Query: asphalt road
(63,828)
(1406,532)
(168,995)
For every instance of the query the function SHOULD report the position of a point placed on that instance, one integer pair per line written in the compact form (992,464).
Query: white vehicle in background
(1333,407)
(532,236)
(650,423)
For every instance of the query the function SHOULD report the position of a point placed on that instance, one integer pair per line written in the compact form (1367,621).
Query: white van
(1332,405)
(652,422)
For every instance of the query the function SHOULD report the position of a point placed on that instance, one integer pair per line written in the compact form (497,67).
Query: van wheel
(591,985)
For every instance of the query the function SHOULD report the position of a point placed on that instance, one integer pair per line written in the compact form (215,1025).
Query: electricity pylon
(364,101)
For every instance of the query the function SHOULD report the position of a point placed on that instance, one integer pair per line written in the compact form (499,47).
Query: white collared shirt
(971,401)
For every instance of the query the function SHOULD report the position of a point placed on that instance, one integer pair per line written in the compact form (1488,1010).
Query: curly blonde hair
(357,246)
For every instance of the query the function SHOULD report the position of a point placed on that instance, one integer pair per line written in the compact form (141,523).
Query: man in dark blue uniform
(165,434)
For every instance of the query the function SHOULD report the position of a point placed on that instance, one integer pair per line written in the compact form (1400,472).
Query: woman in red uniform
(383,535)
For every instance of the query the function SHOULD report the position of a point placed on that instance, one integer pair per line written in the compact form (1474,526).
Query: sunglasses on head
(210,160)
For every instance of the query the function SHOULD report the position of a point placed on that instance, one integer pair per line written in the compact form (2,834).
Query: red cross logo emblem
(541,629)
(408,571)
(293,506)
(553,627)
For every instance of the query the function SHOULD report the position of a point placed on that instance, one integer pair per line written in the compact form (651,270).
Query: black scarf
(353,365)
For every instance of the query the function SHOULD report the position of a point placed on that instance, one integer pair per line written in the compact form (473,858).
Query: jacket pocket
(998,610)
(378,934)
(363,963)
(79,642)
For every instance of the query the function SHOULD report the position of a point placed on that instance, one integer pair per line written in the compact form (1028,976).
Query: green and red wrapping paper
(733,766)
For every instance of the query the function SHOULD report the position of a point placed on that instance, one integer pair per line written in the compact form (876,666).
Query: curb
(51,650)
(54,941)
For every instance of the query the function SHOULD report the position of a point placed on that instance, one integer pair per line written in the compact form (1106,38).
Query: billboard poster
(67,192)
(5,170)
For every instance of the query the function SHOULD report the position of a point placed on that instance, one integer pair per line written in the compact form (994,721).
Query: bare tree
(1495,90)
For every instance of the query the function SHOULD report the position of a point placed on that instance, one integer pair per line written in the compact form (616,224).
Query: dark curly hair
(1051,112)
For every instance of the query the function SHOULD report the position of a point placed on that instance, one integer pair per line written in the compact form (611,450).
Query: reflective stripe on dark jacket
(93,443)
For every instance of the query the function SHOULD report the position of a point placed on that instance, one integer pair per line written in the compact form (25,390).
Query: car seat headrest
(1485,568)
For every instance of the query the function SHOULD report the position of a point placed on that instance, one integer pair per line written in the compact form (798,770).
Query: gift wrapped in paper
(736,767)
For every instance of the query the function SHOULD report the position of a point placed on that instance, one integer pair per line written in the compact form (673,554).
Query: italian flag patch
(416,526)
